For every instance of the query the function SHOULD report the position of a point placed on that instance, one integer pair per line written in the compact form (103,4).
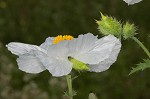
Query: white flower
(98,54)
(131,2)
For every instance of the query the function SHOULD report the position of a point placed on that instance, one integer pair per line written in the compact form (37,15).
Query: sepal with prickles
(78,65)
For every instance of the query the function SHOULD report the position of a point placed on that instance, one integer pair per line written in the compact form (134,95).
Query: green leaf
(141,66)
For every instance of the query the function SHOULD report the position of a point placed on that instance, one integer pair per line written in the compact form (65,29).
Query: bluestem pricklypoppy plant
(62,53)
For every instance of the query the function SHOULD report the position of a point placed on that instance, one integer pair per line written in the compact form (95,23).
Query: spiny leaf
(66,94)
(74,93)
(75,77)
(141,66)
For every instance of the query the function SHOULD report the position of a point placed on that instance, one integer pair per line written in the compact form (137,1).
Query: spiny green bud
(78,65)
(108,25)
(128,30)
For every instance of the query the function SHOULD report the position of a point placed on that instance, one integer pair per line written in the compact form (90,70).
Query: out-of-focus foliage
(31,21)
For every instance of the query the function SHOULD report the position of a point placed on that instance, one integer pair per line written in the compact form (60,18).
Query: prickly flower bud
(128,30)
(108,25)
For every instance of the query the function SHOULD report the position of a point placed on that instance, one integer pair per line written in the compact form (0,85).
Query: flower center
(60,38)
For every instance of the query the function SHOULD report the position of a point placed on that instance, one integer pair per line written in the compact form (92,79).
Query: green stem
(69,83)
(142,46)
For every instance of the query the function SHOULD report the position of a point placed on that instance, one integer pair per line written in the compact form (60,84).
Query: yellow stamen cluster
(60,38)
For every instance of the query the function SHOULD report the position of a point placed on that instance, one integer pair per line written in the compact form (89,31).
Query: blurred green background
(32,21)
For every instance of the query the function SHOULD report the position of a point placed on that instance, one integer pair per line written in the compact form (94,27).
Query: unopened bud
(108,25)
(129,30)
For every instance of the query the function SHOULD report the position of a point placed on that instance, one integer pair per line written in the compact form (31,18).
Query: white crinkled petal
(59,67)
(104,65)
(56,61)
(127,1)
(100,51)
(82,44)
(47,43)
(30,64)
(131,2)
(43,57)
(60,50)
(21,48)
(134,1)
